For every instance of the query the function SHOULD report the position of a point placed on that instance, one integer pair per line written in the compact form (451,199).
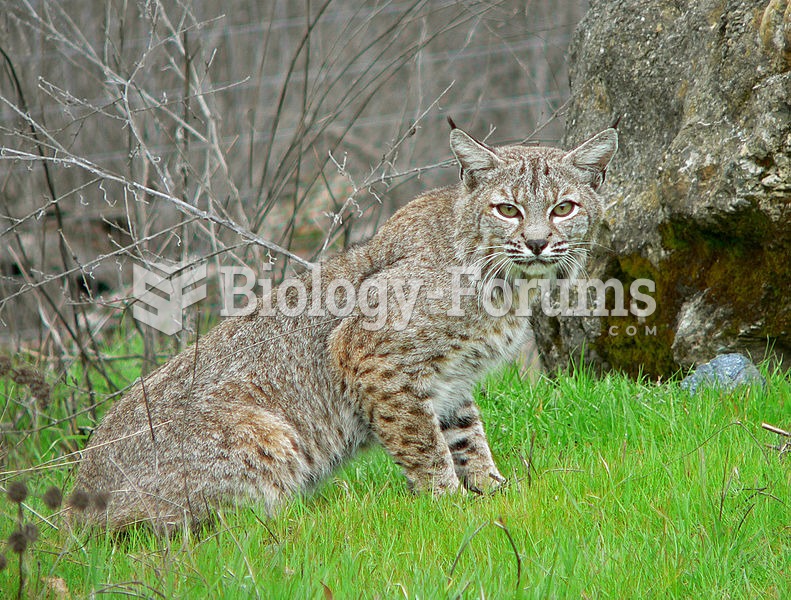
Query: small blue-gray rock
(724,372)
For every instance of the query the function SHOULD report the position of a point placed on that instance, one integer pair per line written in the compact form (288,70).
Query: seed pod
(40,390)
(25,375)
(79,500)
(101,500)
(17,491)
(52,498)
(17,541)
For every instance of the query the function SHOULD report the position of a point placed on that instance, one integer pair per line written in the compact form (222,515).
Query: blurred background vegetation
(149,131)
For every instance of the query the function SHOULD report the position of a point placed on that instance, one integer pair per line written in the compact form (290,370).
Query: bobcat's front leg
(409,430)
(472,458)
(394,405)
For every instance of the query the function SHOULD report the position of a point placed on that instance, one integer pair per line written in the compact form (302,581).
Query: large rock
(724,373)
(701,186)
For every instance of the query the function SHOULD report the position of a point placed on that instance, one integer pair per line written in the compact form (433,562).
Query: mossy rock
(701,187)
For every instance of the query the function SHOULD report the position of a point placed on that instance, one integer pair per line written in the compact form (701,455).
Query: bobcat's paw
(438,485)
(485,481)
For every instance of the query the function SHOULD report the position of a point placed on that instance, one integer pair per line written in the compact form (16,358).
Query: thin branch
(776,430)
(180,205)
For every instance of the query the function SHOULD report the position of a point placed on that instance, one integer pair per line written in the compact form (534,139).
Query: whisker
(491,275)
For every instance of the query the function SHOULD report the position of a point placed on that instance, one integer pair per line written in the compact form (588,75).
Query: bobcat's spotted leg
(408,429)
(397,410)
(472,458)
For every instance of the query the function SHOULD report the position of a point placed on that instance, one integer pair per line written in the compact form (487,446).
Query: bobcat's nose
(536,246)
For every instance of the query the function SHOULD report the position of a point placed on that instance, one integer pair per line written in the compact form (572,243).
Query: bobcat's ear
(593,156)
(474,157)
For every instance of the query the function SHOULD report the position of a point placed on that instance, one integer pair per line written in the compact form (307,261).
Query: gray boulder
(725,372)
(700,190)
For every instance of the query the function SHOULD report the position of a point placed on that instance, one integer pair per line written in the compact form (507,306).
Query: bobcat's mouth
(535,265)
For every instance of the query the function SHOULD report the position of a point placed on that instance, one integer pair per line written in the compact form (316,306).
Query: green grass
(636,490)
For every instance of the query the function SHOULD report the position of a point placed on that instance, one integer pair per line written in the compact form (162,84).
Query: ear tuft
(593,156)
(474,157)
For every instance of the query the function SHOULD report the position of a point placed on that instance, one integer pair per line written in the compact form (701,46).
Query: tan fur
(265,407)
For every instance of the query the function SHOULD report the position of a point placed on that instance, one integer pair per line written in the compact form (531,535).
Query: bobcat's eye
(509,211)
(564,209)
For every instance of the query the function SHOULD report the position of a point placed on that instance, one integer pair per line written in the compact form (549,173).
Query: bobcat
(267,405)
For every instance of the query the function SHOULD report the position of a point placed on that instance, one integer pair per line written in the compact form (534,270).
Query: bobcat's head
(528,212)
